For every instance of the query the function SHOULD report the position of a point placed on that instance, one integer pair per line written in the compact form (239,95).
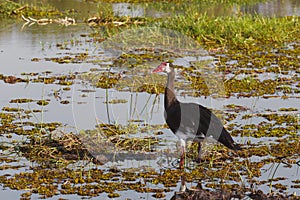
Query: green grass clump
(240,31)
(13,9)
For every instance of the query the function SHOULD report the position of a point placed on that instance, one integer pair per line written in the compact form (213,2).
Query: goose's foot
(183,185)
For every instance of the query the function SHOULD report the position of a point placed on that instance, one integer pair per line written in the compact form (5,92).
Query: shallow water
(20,44)
(87,9)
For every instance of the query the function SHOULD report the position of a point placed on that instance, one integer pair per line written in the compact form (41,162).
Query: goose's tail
(226,139)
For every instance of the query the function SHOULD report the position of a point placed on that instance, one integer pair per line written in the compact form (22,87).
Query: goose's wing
(191,121)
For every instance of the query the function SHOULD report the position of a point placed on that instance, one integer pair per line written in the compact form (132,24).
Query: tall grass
(242,31)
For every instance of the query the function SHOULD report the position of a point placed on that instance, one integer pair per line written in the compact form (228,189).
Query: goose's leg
(182,157)
(199,152)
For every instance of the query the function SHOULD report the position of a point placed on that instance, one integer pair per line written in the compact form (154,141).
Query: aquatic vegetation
(12,79)
(54,151)
(44,21)
(12,9)
(21,100)
(102,80)
(142,56)
(117,139)
(116,101)
(59,151)
(64,102)
(116,21)
(42,102)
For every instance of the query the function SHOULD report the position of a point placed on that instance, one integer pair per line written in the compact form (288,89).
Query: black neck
(170,97)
